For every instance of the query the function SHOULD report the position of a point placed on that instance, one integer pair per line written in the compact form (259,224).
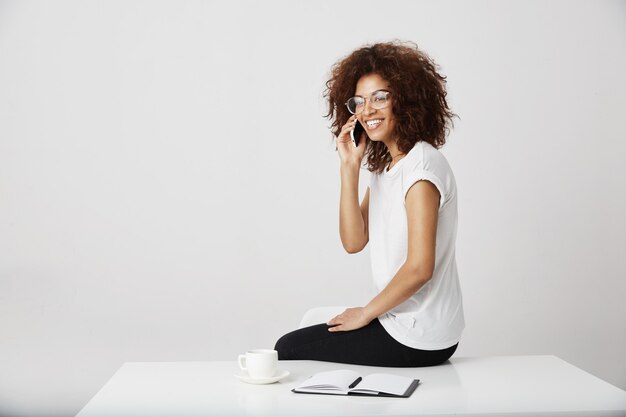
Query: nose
(367,108)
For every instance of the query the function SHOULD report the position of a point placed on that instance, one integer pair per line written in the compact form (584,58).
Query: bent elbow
(352,249)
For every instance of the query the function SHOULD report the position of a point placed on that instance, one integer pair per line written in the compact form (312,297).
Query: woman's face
(385,130)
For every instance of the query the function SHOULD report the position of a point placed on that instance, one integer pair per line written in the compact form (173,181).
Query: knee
(283,347)
(297,344)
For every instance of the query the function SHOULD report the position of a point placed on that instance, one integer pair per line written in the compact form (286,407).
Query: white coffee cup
(259,363)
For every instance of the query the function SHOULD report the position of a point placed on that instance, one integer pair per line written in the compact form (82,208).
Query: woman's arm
(352,218)
(422,207)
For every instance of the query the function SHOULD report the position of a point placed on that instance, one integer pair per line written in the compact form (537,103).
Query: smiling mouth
(373,124)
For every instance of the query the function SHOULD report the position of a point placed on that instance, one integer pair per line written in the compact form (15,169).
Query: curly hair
(419,96)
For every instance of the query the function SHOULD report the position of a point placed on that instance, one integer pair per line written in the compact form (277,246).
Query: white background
(169,190)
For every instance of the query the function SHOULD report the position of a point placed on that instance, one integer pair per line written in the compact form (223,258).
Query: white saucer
(259,381)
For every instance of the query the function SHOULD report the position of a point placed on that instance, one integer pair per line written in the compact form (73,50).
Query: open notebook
(346,382)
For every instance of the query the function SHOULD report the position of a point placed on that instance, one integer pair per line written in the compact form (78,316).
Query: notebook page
(340,380)
(387,383)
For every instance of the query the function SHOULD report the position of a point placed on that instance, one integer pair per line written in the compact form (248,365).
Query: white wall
(169,189)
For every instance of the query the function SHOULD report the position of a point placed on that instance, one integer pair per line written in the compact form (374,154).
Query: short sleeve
(421,175)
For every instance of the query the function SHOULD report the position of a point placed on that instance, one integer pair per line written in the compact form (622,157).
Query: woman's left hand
(350,319)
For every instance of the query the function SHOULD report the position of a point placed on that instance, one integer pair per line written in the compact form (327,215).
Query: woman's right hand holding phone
(347,152)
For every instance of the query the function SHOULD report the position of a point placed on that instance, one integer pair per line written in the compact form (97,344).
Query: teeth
(374,122)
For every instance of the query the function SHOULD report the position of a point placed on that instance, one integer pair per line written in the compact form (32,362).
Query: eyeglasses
(378,100)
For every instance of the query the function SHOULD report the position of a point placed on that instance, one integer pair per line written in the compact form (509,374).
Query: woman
(408,214)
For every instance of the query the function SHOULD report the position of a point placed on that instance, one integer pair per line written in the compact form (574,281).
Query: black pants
(369,345)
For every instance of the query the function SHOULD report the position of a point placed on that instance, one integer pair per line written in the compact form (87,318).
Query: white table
(505,385)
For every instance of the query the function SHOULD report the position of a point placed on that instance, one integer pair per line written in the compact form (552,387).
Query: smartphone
(356,133)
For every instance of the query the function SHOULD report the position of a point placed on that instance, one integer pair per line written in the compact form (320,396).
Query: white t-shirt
(432,318)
